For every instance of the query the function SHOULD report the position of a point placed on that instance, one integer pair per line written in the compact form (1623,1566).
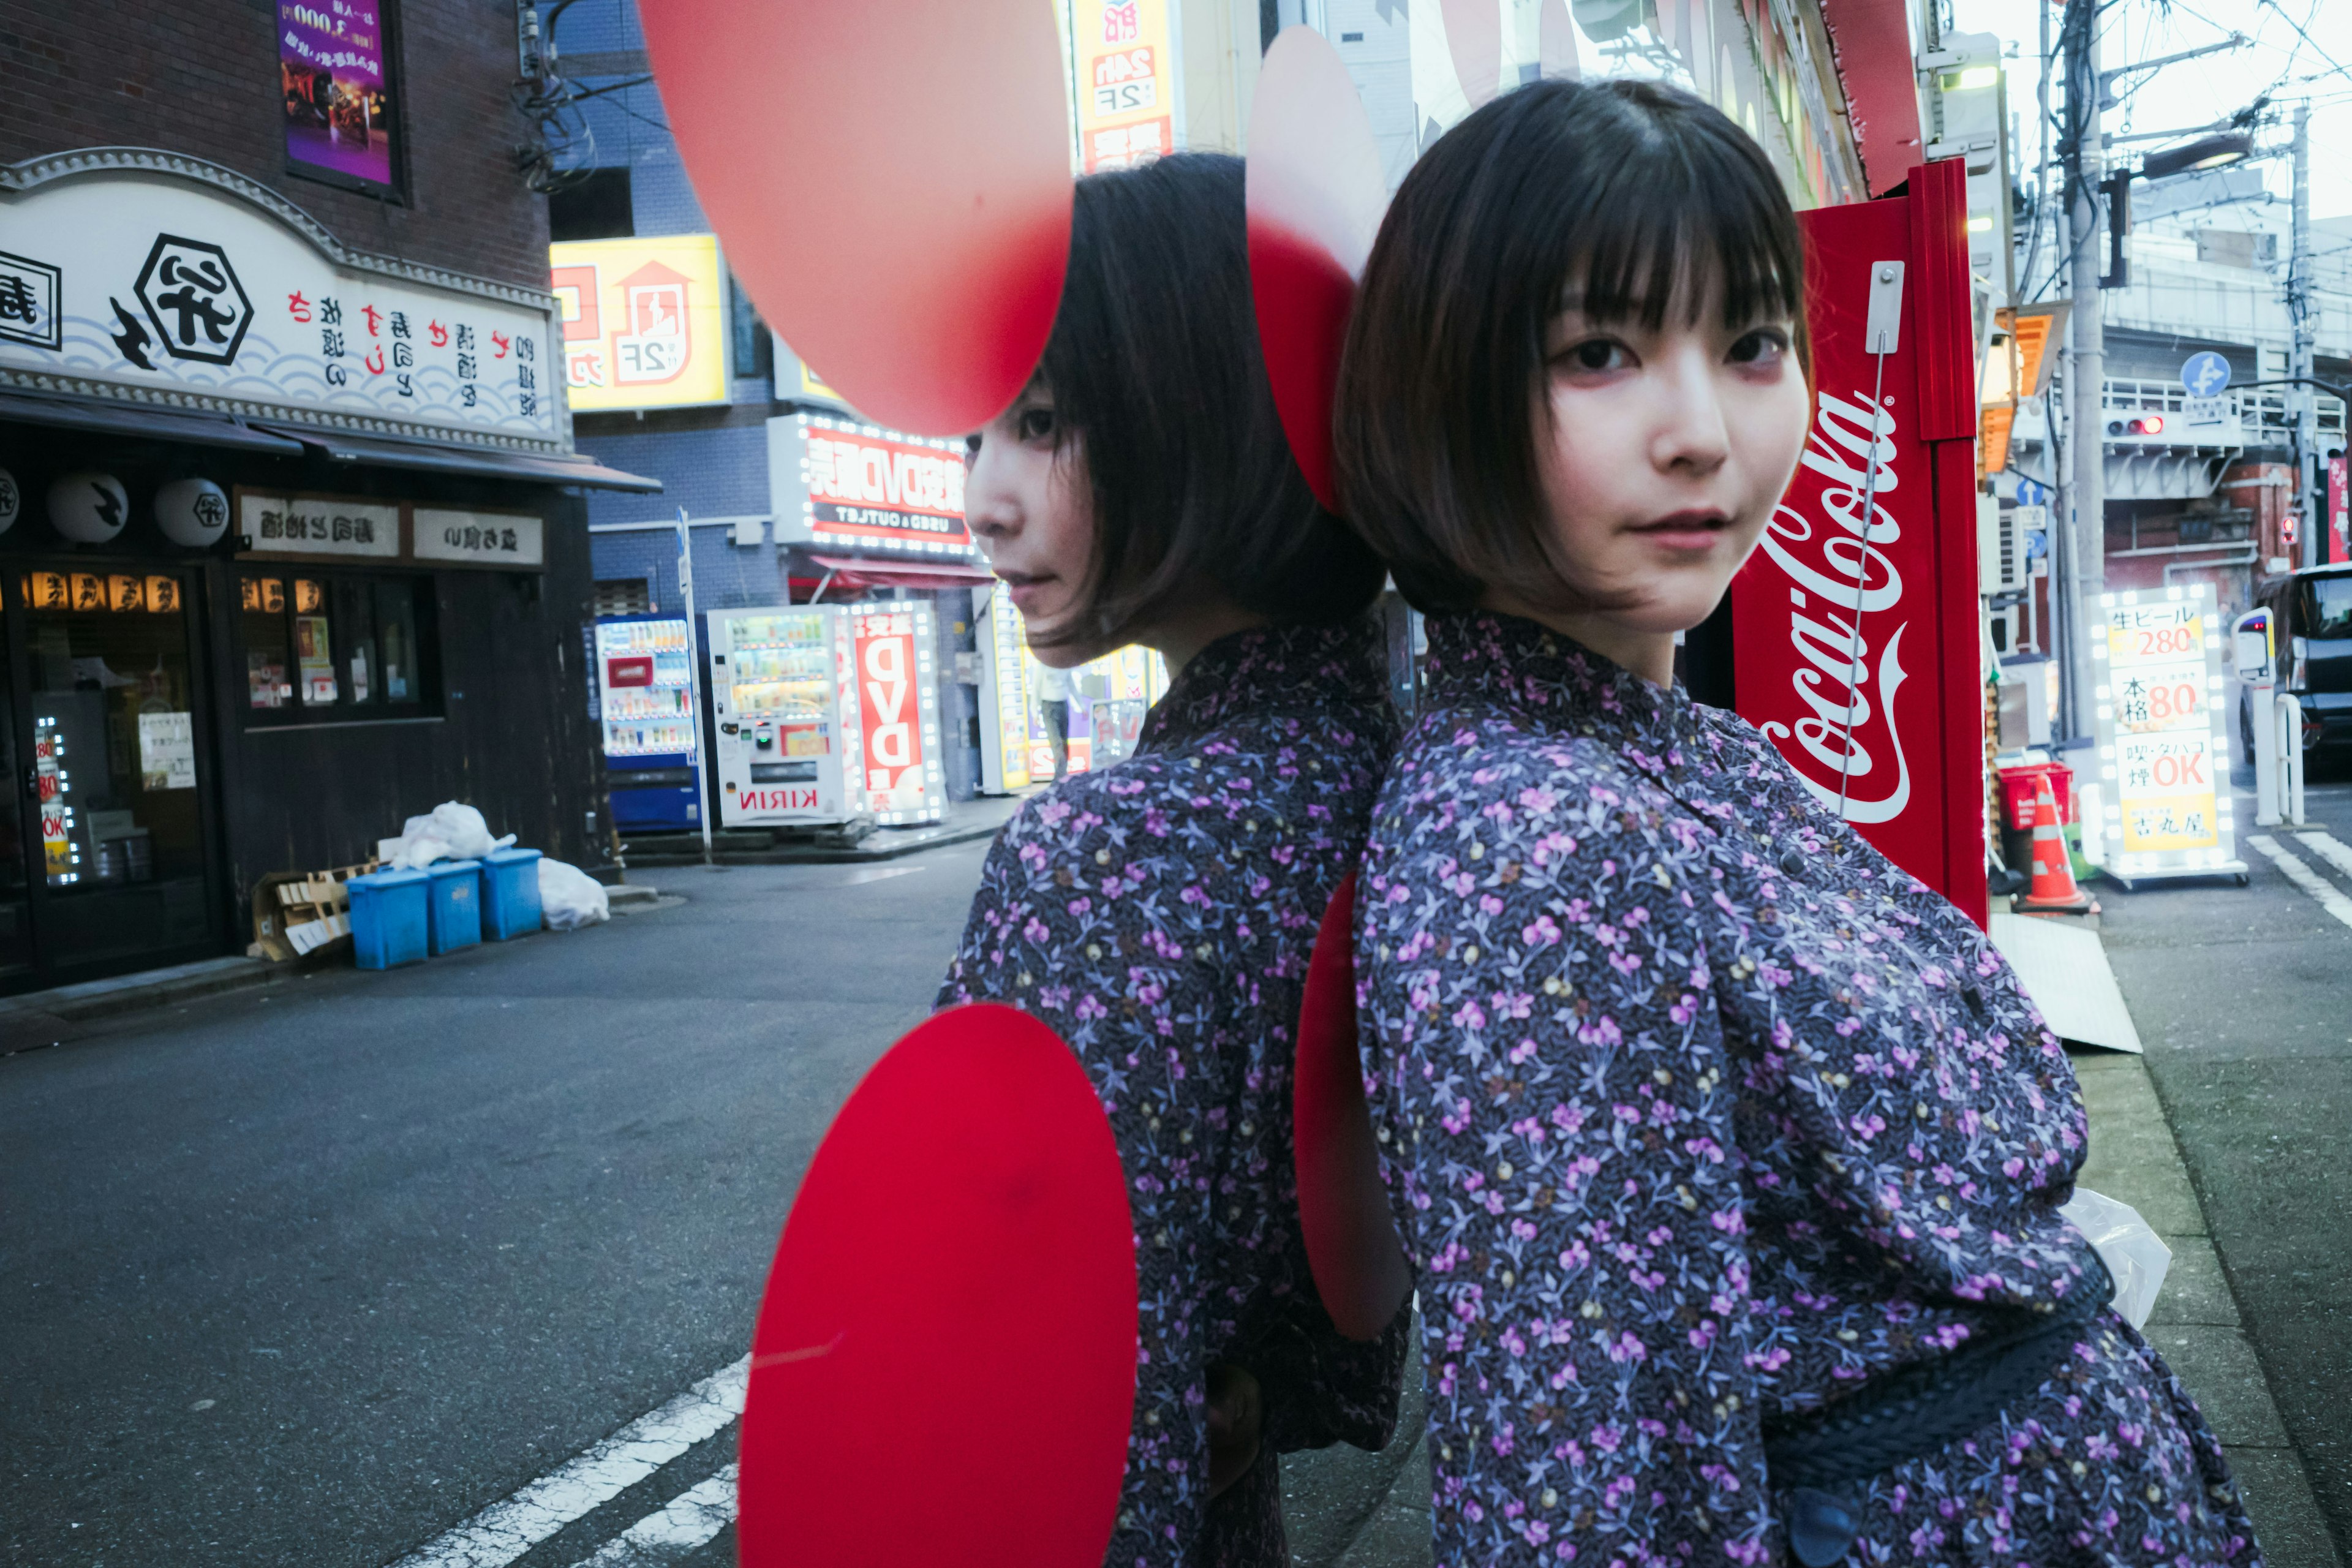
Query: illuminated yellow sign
(644,320)
(1126,81)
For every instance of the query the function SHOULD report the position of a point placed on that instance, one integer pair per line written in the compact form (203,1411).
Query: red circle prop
(891,183)
(1474,37)
(1316,194)
(944,1367)
(1351,1241)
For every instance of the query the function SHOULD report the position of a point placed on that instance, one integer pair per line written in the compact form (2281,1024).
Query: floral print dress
(1698,1112)
(1159,915)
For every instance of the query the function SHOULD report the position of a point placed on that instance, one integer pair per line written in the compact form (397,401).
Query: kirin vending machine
(825,712)
(644,692)
(1855,624)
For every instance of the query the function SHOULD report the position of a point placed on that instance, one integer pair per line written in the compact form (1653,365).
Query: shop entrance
(110,869)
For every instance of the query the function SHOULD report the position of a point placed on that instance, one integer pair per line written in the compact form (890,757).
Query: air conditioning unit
(2002,563)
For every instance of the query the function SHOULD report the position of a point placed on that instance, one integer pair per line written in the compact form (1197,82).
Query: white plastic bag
(2133,1253)
(570,897)
(451,831)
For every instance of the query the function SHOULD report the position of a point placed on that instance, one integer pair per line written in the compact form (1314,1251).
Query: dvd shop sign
(891,709)
(839,483)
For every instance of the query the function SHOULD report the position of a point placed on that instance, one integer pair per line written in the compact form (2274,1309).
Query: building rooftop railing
(2261,409)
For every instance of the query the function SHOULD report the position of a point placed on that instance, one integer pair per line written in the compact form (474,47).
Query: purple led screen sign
(331,59)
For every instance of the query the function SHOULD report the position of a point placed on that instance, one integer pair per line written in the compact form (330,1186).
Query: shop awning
(1870,40)
(134,422)
(851,572)
(491,462)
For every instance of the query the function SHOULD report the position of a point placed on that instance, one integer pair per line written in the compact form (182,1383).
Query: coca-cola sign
(1834,537)
(1854,624)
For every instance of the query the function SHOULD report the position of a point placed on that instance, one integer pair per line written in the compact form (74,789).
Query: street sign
(2205,374)
(2164,749)
(2204,413)
(2032,492)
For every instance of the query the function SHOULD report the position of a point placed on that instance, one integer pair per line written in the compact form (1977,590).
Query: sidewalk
(966,820)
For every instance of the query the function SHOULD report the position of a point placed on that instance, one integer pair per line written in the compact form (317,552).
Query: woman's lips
(1685,530)
(1026,590)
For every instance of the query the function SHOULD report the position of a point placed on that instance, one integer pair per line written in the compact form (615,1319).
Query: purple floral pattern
(1159,915)
(1699,1111)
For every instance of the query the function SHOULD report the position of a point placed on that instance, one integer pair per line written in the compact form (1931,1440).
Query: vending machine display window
(827,712)
(646,696)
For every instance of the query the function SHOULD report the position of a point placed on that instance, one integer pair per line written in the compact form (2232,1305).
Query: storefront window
(114,749)
(334,646)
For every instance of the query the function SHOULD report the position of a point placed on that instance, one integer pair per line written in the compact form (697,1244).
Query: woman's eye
(1596,354)
(1035,423)
(1764,346)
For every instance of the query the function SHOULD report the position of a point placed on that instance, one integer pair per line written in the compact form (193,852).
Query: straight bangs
(1634,201)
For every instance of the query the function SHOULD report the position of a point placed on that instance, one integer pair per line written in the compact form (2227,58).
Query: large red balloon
(1316,196)
(890,182)
(1343,1209)
(944,1367)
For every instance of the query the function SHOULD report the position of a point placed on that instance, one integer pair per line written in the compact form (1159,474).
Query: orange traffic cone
(2053,892)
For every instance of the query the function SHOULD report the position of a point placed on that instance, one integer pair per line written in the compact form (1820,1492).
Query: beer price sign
(2164,749)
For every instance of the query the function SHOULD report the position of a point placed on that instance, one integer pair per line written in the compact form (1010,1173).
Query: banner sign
(1127,82)
(1854,626)
(645,321)
(2164,746)
(337,528)
(857,486)
(146,288)
(898,706)
(2340,513)
(331,66)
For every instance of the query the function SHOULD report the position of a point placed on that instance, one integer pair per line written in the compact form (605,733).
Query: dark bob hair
(1153,366)
(1636,195)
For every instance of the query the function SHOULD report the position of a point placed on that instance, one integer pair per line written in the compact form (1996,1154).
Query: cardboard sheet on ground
(2064,969)
(890,183)
(944,1366)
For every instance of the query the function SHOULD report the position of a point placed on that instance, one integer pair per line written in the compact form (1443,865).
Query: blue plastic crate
(454,913)
(388,919)
(511,894)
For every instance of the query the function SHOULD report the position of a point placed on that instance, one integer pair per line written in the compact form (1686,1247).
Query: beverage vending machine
(825,712)
(644,692)
(1854,626)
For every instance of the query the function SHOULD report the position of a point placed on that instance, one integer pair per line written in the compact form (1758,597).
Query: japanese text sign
(331,68)
(838,482)
(898,709)
(1127,82)
(139,286)
(644,320)
(2163,743)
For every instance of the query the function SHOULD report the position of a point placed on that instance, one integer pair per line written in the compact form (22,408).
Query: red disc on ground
(944,1367)
(890,183)
(1315,195)
(1343,1208)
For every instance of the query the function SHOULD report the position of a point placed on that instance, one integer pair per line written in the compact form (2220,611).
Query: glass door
(119,836)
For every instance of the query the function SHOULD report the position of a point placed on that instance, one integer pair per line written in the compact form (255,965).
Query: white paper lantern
(10,500)
(89,508)
(193,512)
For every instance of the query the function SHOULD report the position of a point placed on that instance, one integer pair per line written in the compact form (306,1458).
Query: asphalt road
(309,1275)
(2244,997)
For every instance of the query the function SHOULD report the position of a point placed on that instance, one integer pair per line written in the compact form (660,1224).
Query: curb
(911,841)
(2195,1324)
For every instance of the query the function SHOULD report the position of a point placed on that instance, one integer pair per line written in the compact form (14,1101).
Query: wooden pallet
(297,914)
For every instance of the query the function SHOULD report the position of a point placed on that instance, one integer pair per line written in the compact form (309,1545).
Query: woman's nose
(1692,431)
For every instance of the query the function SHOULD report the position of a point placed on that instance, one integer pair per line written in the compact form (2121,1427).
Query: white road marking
(2304,877)
(2329,848)
(505,1530)
(691,1518)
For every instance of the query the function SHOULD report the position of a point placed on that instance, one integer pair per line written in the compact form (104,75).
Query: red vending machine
(1855,625)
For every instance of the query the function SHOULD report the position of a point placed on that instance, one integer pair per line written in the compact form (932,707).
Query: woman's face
(1027,501)
(1662,456)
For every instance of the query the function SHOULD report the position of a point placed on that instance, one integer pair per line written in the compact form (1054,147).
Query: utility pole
(2086,359)
(2309,510)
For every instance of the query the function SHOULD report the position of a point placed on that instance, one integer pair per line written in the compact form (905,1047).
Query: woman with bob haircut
(1159,914)
(1730,1155)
